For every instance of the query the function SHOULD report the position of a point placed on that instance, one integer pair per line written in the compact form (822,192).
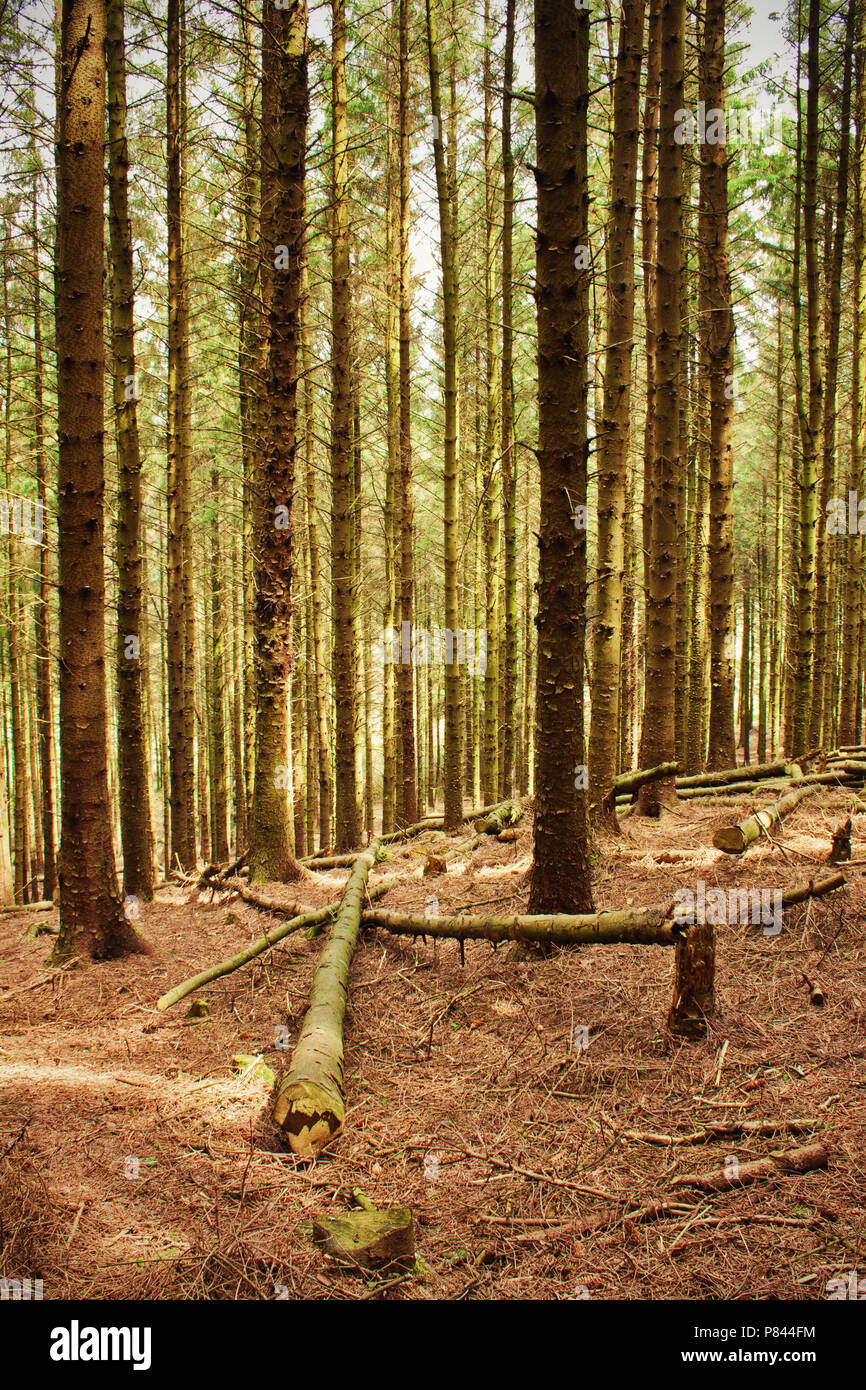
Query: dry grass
(137,1163)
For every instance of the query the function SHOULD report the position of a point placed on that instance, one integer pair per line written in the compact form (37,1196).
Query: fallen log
(310,1107)
(28,907)
(770,784)
(307,917)
(507,814)
(627,783)
(323,857)
(748,773)
(803,1160)
(727,789)
(332,861)
(653,926)
(734,839)
(626,787)
(213,874)
(792,896)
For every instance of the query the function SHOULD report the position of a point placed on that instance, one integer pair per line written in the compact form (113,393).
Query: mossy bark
(284,147)
(310,1107)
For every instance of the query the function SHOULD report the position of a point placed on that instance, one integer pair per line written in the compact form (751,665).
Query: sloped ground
(137,1163)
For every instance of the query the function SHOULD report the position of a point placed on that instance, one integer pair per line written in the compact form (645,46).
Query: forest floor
(136,1163)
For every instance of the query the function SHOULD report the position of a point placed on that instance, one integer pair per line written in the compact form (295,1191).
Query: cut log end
(729,838)
(309,1116)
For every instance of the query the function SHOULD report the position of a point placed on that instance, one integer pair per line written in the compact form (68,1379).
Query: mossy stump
(377,1240)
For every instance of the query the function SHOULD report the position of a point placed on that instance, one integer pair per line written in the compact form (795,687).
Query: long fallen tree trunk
(310,1107)
(729,789)
(631,782)
(509,813)
(747,773)
(734,839)
(310,917)
(322,859)
(652,926)
(627,786)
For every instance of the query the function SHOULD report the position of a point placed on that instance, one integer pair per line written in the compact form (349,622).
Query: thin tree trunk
(659,703)
(348,830)
(811,414)
(446,199)
(508,462)
(849,718)
(180,751)
(133,772)
(717,334)
(613,444)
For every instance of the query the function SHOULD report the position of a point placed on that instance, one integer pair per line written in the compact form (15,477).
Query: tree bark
(446,199)
(659,702)
(310,1107)
(92,920)
(133,775)
(560,879)
(613,444)
(284,144)
(348,830)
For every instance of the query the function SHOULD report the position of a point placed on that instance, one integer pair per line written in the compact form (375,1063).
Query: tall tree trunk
(694,959)
(658,736)
(490,466)
(833,287)
(811,414)
(613,443)
(284,147)
(133,772)
(407,789)
(348,830)
(849,724)
(249,334)
(43,619)
(560,879)
(216,686)
(92,920)
(717,336)
(446,199)
(508,462)
(649,254)
(180,748)
(317,616)
(391,518)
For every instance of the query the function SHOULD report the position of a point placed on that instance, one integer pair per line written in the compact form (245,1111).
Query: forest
(432,646)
